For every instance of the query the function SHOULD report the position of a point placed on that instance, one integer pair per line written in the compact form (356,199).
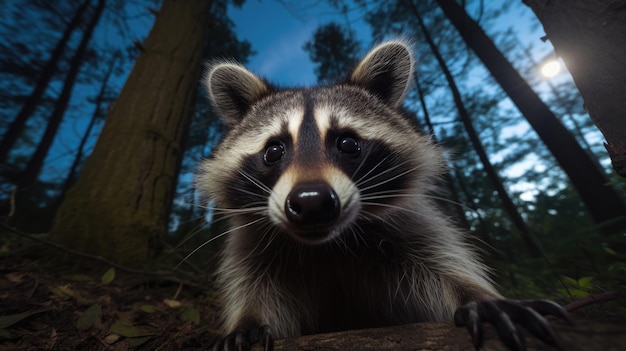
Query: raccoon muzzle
(312,208)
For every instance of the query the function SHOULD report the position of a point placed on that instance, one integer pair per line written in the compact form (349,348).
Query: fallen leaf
(129,331)
(172,303)
(108,276)
(190,314)
(147,308)
(89,317)
(10,319)
(111,338)
(65,292)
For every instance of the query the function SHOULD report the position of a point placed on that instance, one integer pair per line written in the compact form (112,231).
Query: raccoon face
(314,163)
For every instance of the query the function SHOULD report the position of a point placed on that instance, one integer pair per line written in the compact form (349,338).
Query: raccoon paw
(503,314)
(241,339)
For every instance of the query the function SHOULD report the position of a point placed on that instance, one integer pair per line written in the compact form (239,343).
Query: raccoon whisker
(273,233)
(358,233)
(371,216)
(382,173)
(369,151)
(342,244)
(390,206)
(252,193)
(256,182)
(225,216)
(267,228)
(239,210)
(386,192)
(387,180)
(384,195)
(434,197)
(191,234)
(358,181)
(215,238)
(354,235)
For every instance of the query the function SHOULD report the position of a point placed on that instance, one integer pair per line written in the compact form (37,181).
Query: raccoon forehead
(347,107)
(265,120)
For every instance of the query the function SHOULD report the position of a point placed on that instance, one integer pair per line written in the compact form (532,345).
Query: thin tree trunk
(605,205)
(71,176)
(589,35)
(120,203)
(456,206)
(33,168)
(16,127)
(507,203)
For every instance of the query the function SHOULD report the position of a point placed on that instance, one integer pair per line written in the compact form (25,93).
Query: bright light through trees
(551,68)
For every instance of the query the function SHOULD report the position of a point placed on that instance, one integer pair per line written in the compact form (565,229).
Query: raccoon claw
(243,338)
(468,316)
(503,314)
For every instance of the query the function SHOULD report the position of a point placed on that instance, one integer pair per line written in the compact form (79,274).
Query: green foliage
(334,49)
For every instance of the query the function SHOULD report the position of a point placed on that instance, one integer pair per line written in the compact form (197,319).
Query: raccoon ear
(233,89)
(386,72)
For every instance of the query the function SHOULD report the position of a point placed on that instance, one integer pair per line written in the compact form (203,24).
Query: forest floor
(44,308)
(47,306)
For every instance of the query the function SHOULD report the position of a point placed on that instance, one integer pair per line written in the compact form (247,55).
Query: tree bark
(33,168)
(589,35)
(493,176)
(605,205)
(16,127)
(119,206)
(584,335)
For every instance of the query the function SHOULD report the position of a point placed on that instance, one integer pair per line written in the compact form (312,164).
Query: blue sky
(278,38)
(278,34)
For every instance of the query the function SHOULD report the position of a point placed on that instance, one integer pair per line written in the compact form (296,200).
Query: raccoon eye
(348,145)
(273,153)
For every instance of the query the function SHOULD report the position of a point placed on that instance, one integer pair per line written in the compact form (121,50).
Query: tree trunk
(455,206)
(493,176)
(119,206)
(605,205)
(589,35)
(33,168)
(16,127)
(71,176)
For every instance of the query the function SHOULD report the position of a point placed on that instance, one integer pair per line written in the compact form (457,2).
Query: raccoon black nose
(312,205)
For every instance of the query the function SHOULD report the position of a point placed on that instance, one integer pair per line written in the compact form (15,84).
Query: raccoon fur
(333,225)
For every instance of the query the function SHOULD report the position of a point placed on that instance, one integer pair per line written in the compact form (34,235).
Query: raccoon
(333,225)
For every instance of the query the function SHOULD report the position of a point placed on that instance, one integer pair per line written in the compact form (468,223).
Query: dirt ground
(41,310)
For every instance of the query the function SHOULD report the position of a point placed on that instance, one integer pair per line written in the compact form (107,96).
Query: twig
(177,293)
(139,45)
(12,202)
(605,296)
